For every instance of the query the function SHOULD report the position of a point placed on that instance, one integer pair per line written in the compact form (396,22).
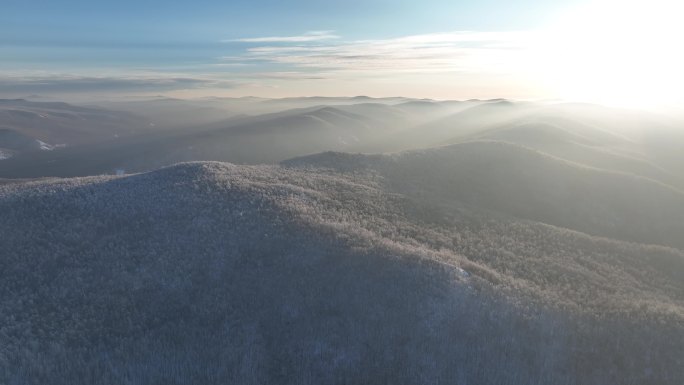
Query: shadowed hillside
(591,147)
(524,183)
(61,123)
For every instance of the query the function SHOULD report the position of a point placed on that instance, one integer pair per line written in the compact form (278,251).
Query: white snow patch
(44,146)
(463,273)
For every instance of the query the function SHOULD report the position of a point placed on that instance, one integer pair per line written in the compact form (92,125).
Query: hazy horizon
(599,51)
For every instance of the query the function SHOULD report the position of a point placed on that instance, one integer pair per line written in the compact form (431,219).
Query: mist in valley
(202,193)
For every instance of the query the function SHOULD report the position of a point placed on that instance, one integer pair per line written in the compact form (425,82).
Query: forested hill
(519,181)
(303,274)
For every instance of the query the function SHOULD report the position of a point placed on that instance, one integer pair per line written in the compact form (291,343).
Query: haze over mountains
(27,125)
(255,130)
(349,240)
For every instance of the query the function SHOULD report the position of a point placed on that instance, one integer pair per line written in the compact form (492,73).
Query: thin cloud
(310,36)
(288,75)
(464,51)
(78,84)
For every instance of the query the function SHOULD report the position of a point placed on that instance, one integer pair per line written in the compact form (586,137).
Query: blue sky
(437,48)
(78,21)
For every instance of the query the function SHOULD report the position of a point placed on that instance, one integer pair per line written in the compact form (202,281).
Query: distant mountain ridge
(525,183)
(27,125)
(254,131)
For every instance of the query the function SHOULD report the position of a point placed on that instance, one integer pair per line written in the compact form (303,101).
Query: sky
(616,51)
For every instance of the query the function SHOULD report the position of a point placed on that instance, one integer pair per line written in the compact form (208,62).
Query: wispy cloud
(316,57)
(61,83)
(464,51)
(307,37)
(290,75)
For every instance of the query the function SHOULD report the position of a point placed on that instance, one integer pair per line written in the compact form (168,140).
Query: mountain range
(351,240)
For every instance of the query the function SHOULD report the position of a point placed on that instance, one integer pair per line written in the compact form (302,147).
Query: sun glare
(625,53)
